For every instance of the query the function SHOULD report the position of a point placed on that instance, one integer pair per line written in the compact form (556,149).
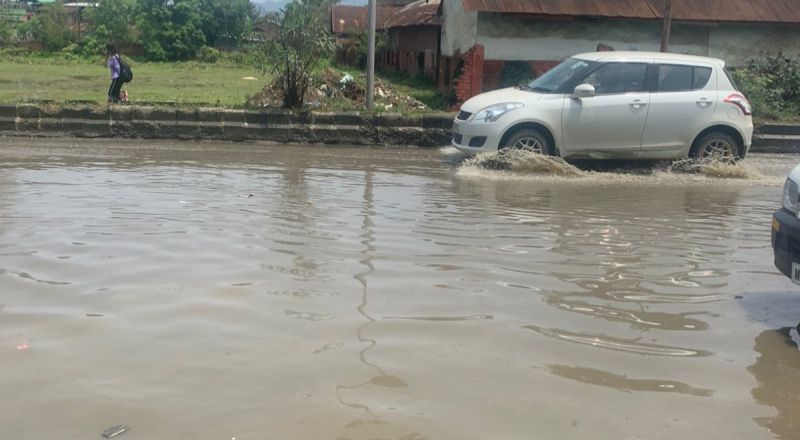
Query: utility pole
(666,27)
(371,56)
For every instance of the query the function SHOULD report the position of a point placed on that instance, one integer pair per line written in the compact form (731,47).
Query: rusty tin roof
(347,19)
(419,13)
(773,11)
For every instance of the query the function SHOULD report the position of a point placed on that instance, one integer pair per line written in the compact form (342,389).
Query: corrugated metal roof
(773,11)
(419,13)
(353,19)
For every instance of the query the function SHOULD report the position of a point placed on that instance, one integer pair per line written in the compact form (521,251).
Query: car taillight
(739,100)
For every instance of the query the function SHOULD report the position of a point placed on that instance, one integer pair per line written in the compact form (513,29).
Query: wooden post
(666,27)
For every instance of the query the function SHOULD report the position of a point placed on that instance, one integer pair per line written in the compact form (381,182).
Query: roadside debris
(330,87)
(115,431)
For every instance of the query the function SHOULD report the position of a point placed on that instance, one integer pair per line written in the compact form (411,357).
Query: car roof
(650,56)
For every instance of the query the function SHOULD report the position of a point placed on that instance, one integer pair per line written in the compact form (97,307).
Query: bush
(515,73)
(208,54)
(772,85)
(303,41)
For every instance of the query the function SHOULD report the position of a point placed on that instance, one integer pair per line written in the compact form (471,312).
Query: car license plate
(796,273)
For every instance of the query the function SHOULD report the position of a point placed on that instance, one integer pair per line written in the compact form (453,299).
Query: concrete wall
(459,28)
(517,37)
(735,43)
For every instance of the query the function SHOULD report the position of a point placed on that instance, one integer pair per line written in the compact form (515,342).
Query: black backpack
(125,72)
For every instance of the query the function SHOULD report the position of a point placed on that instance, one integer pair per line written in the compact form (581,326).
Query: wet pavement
(253,291)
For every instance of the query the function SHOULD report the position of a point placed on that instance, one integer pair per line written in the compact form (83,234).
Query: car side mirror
(583,91)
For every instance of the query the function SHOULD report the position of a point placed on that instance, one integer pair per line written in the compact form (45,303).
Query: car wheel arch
(724,128)
(522,125)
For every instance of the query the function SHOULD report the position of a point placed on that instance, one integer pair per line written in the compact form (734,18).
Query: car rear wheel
(715,146)
(528,139)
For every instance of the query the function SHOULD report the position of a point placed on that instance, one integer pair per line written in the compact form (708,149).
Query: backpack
(125,72)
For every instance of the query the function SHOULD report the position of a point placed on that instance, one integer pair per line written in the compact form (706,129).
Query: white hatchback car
(615,105)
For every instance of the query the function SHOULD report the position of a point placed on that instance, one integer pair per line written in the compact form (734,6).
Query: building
(477,40)
(486,34)
(349,23)
(412,44)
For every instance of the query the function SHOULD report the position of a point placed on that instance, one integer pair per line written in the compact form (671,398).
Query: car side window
(678,78)
(617,78)
(701,77)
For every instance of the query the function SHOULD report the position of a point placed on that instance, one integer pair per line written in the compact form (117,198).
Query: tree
(50,27)
(302,42)
(170,30)
(226,19)
(111,22)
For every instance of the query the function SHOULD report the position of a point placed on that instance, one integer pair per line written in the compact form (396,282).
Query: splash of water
(520,164)
(523,162)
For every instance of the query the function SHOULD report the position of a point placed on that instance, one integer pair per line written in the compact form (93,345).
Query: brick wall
(470,83)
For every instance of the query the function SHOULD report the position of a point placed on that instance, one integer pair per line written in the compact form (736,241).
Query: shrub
(515,73)
(302,42)
(772,85)
(208,54)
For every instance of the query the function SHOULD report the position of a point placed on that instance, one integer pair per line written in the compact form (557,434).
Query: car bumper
(475,138)
(786,241)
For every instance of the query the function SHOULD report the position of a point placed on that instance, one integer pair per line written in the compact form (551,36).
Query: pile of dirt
(331,87)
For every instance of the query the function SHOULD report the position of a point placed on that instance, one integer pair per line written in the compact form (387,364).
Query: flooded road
(221,291)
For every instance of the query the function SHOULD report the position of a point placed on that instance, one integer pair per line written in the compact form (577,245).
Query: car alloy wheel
(717,149)
(528,143)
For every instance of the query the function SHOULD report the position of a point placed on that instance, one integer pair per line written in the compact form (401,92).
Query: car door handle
(703,102)
(637,104)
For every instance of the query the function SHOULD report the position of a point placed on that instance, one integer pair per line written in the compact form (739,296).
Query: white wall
(515,37)
(737,43)
(509,37)
(459,28)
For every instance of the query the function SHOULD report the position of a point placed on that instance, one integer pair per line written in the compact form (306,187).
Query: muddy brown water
(221,291)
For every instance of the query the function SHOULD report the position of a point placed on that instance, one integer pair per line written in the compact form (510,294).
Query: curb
(133,121)
(353,128)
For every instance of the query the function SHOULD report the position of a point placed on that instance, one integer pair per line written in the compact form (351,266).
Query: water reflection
(777,372)
(603,378)
(380,377)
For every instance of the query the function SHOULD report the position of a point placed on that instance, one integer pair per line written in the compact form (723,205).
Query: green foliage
(515,73)
(110,22)
(50,27)
(231,20)
(772,85)
(208,54)
(360,45)
(170,30)
(303,40)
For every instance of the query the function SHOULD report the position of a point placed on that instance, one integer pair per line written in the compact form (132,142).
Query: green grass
(30,79)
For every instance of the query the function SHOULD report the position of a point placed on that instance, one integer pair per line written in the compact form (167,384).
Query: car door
(613,120)
(682,103)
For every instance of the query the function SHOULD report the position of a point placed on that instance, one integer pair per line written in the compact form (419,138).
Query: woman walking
(113,63)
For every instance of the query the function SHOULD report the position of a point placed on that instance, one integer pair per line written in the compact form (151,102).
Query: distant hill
(274,5)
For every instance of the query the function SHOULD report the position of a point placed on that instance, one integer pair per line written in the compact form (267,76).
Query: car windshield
(554,79)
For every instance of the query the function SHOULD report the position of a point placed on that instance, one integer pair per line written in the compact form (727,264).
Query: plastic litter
(346,79)
(115,431)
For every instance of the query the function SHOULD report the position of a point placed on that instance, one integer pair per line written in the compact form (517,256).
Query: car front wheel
(527,139)
(715,146)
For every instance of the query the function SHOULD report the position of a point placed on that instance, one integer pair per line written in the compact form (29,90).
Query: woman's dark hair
(111,49)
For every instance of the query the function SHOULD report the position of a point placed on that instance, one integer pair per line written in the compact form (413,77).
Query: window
(676,78)
(701,77)
(617,78)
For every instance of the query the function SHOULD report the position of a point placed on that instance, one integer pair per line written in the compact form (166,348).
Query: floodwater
(254,291)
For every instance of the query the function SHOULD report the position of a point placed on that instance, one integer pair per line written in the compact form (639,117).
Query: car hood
(511,94)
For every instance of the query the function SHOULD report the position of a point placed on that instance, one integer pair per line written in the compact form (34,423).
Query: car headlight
(790,196)
(494,112)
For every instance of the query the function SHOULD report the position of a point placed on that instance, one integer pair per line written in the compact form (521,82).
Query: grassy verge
(36,78)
